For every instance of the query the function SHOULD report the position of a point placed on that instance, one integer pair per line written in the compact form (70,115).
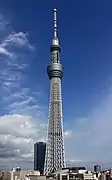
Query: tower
(39,156)
(55,158)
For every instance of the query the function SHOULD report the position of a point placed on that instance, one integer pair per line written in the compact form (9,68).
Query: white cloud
(18,134)
(15,53)
(19,40)
(91,136)
(3,51)
(67,134)
(21,127)
(17,137)
(24,102)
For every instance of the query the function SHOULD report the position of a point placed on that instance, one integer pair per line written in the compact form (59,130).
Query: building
(74,173)
(5,175)
(55,157)
(97,168)
(76,169)
(39,156)
(26,175)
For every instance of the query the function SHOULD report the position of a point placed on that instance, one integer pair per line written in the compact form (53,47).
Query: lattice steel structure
(55,157)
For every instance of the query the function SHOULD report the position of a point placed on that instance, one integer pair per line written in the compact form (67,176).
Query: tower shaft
(55,158)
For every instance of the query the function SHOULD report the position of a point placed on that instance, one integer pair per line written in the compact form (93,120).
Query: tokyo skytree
(55,156)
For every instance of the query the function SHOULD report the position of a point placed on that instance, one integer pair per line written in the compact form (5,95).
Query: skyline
(84,30)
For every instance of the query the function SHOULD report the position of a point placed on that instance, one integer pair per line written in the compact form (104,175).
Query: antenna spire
(55,40)
(55,23)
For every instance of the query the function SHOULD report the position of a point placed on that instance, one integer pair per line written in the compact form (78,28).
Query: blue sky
(85,32)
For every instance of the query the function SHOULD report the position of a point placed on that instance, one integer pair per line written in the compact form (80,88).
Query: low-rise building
(75,174)
(26,175)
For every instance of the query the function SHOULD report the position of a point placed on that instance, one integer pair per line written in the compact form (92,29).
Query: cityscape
(51,147)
